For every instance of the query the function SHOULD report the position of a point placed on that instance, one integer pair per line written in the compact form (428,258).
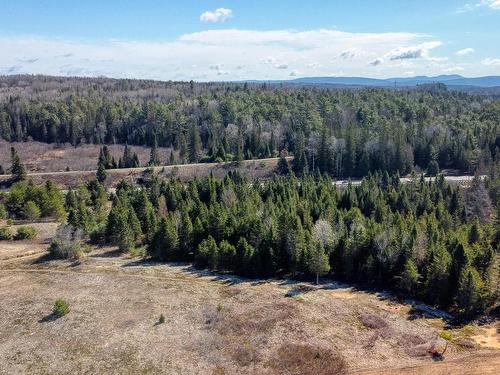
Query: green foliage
(161,320)
(61,308)
(101,174)
(6,234)
(3,211)
(318,262)
(409,278)
(28,201)
(17,168)
(283,167)
(446,335)
(154,158)
(207,254)
(385,130)
(470,296)
(31,211)
(26,233)
(382,232)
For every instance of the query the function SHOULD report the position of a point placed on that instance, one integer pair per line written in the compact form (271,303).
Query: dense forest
(344,132)
(427,240)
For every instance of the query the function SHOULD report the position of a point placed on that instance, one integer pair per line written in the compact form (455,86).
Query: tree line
(427,240)
(342,132)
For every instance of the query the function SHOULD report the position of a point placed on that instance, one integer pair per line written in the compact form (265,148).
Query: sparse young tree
(318,263)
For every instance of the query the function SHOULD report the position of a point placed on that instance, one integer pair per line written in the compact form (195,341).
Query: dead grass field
(214,324)
(44,157)
(48,162)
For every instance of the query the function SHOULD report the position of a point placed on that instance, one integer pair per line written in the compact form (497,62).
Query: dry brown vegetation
(48,162)
(44,157)
(214,324)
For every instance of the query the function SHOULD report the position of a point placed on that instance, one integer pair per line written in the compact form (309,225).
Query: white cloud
(269,60)
(347,54)
(230,54)
(452,69)
(491,62)
(469,7)
(294,73)
(376,62)
(218,15)
(465,51)
(281,66)
(413,52)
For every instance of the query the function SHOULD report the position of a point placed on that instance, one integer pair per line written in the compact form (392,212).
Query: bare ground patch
(213,324)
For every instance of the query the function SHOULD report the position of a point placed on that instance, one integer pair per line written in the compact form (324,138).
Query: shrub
(446,335)
(6,234)
(372,321)
(306,359)
(3,212)
(138,252)
(26,233)
(162,319)
(61,308)
(98,235)
(66,243)
(31,211)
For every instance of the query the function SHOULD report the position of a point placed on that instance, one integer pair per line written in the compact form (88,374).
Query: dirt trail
(487,364)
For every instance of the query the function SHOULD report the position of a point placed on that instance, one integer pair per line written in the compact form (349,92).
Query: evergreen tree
(409,278)
(207,254)
(283,168)
(154,158)
(17,167)
(101,174)
(194,144)
(470,291)
(318,263)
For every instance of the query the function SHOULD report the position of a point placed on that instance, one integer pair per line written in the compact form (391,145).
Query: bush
(31,211)
(305,359)
(61,308)
(26,233)
(162,319)
(446,335)
(138,252)
(98,235)
(66,243)
(6,234)
(3,212)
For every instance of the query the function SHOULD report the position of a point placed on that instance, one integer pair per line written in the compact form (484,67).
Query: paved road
(462,180)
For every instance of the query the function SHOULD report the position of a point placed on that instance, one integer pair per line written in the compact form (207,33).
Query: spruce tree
(17,169)
(283,168)
(154,159)
(101,172)
(194,144)
(409,278)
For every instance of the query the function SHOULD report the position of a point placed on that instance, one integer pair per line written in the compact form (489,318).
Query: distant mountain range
(449,80)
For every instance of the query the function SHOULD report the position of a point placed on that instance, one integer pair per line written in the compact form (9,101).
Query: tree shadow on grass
(49,318)
(226,278)
(43,259)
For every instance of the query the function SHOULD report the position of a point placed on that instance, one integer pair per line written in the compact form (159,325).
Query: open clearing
(214,324)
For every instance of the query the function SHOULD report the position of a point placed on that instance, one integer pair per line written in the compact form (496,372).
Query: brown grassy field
(214,324)
(44,157)
(48,162)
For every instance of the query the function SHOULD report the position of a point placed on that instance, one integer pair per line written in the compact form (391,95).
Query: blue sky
(232,40)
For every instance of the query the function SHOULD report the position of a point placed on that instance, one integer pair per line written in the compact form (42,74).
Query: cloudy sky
(209,40)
